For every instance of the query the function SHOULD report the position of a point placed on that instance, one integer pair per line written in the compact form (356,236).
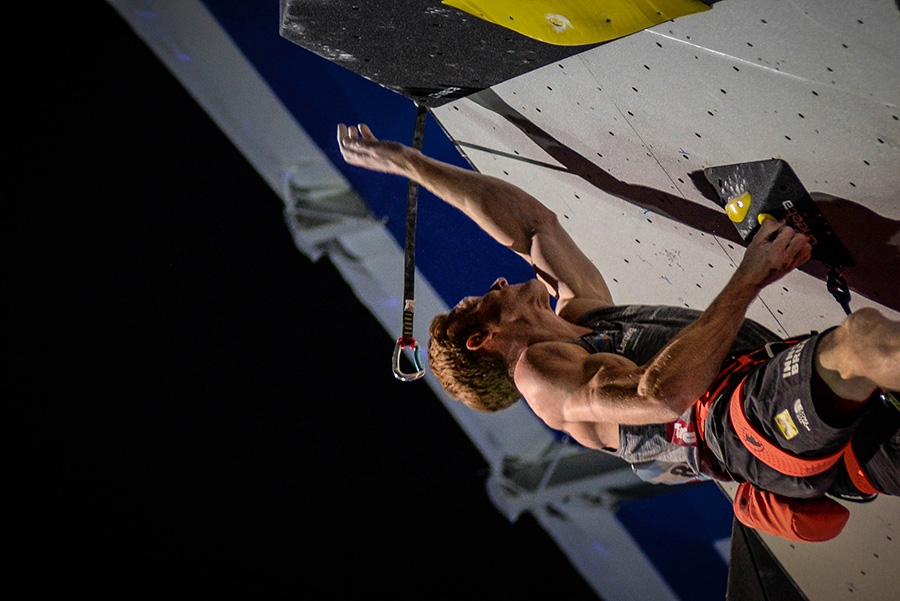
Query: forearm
(507,213)
(689,364)
(685,368)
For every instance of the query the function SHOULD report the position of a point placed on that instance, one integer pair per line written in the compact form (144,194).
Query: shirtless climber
(644,383)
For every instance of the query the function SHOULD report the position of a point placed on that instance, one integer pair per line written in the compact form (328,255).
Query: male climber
(627,379)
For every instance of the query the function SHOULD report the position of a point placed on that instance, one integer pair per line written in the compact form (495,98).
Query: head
(464,352)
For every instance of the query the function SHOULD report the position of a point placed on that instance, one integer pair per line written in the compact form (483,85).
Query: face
(505,302)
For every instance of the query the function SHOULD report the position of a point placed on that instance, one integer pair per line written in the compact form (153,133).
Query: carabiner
(402,343)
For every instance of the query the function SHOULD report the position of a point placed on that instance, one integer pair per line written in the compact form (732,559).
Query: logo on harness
(801,414)
(791,365)
(748,438)
(786,425)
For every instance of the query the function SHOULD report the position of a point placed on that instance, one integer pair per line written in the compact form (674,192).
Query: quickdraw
(407,341)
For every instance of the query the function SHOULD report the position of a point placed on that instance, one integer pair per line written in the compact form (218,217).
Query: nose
(499,283)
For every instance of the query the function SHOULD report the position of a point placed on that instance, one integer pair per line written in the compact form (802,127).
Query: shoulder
(552,377)
(547,374)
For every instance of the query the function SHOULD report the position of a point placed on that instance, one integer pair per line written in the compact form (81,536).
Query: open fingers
(346,134)
(366,133)
(348,139)
(351,135)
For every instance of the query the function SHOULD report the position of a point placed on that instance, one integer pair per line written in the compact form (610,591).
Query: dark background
(196,406)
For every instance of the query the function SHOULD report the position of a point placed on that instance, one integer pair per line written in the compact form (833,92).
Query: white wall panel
(815,83)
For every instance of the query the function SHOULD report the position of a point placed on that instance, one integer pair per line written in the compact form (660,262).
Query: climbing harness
(732,378)
(809,520)
(776,458)
(406,340)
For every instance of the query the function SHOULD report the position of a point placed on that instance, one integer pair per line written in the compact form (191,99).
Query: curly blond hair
(479,379)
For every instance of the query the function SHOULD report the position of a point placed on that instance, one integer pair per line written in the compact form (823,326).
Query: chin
(540,293)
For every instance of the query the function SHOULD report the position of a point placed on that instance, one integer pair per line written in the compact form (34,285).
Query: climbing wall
(654,109)
(614,139)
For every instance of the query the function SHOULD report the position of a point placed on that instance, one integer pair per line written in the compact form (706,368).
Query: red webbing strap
(857,474)
(730,371)
(709,465)
(767,452)
(701,410)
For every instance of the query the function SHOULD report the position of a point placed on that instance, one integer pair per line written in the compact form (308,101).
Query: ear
(477,340)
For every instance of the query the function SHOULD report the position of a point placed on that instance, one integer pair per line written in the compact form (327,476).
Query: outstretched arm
(571,386)
(507,213)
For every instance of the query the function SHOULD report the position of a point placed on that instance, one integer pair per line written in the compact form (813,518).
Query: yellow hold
(738,206)
(577,22)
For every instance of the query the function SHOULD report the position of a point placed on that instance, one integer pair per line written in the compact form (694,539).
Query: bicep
(565,384)
(523,224)
(549,375)
(556,378)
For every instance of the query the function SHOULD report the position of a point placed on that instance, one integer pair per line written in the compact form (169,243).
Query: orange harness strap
(790,464)
(762,448)
(857,475)
(770,454)
(702,405)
